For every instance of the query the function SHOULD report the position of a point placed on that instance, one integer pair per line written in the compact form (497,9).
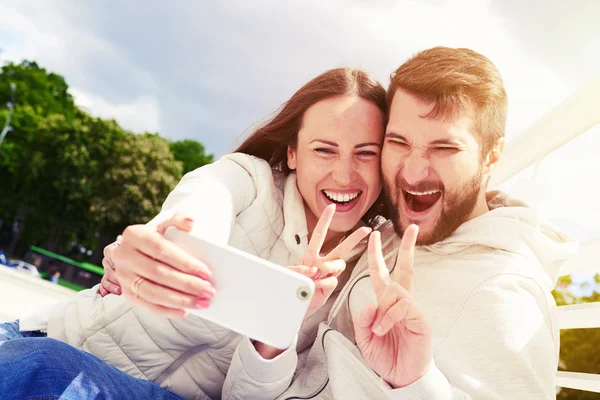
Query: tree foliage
(191,153)
(77,177)
(579,348)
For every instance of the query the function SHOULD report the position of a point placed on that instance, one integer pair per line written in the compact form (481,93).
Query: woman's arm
(157,274)
(212,195)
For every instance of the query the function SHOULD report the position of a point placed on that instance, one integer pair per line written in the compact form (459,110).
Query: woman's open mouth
(344,201)
(419,202)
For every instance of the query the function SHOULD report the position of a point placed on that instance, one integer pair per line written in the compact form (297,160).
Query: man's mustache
(424,186)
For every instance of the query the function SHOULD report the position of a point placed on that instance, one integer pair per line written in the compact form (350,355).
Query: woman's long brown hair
(271,140)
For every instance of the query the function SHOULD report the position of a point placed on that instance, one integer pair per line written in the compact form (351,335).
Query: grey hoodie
(486,289)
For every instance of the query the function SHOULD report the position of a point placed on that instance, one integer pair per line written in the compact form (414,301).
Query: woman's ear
(291,158)
(494,156)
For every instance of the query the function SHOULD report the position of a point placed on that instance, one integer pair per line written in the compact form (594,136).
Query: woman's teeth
(339,197)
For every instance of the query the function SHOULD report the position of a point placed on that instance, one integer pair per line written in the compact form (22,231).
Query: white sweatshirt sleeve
(251,377)
(503,345)
(213,195)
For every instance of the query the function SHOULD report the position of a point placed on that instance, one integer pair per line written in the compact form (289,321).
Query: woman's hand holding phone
(158,275)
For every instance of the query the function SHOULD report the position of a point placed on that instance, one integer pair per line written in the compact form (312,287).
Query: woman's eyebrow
(334,144)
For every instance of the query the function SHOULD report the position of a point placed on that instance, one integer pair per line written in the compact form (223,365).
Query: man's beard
(457,206)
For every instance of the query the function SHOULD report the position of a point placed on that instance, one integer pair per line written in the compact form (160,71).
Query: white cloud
(209,70)
(141,115)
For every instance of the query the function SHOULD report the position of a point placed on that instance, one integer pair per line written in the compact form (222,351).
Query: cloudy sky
(209,70)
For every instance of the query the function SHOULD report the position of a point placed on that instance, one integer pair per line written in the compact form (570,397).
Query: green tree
(84,175)
(579,348)
(191,153)
(46,91)
(76,177)
(139,174)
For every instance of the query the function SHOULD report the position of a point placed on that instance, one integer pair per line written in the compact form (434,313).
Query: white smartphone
(254,297)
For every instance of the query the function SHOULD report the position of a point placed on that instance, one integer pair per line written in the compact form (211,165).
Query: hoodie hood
(512,226)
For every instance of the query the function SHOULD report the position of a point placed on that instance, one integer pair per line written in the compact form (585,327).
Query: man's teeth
(423,193)
(339,197)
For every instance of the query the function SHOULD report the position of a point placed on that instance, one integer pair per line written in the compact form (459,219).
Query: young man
(474,318)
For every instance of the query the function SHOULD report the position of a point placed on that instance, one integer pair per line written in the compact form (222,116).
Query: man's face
(432,169)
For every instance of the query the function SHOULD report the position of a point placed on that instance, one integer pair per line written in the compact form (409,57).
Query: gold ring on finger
(135,286)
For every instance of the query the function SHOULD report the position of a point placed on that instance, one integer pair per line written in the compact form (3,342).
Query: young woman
(322,148)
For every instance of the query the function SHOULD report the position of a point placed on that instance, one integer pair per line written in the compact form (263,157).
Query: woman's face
(337,159)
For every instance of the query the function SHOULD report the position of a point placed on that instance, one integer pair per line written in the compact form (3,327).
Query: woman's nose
(343,172)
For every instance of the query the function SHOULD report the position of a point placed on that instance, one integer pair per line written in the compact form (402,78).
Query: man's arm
(503,345)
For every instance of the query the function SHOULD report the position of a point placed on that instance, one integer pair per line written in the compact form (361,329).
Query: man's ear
(291,158)
(493,156)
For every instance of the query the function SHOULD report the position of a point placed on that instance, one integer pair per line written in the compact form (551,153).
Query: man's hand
(110,283)
(394,336)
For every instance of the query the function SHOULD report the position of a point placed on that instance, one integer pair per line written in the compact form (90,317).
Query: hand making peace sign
(394,336)
(324,270)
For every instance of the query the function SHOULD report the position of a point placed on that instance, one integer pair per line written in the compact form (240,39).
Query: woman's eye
(367,153)
(323,150)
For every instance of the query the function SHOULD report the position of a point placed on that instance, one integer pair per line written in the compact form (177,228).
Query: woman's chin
(344,224)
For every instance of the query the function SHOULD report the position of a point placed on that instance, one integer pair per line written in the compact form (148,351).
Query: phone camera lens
(303,293)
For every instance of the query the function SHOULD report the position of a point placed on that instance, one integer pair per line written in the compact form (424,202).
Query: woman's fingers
(157,309)
(107,264)
(309,272)
(180,220)
(343,249)
(327,285)
(143,239)
(142,265)
(108,286)
(330,268)
(318,236)
(108,251)
(109,282)
(327,269)
(160,296)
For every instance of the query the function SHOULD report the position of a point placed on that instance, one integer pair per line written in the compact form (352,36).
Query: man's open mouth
(421,201)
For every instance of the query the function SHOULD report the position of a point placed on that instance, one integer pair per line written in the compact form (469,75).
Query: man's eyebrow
(358,146)
(394,135)
(450,142)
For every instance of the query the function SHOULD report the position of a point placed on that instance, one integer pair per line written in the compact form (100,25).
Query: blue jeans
(39,368)
(10,330)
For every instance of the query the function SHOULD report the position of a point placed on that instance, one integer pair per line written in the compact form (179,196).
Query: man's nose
(416,169)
